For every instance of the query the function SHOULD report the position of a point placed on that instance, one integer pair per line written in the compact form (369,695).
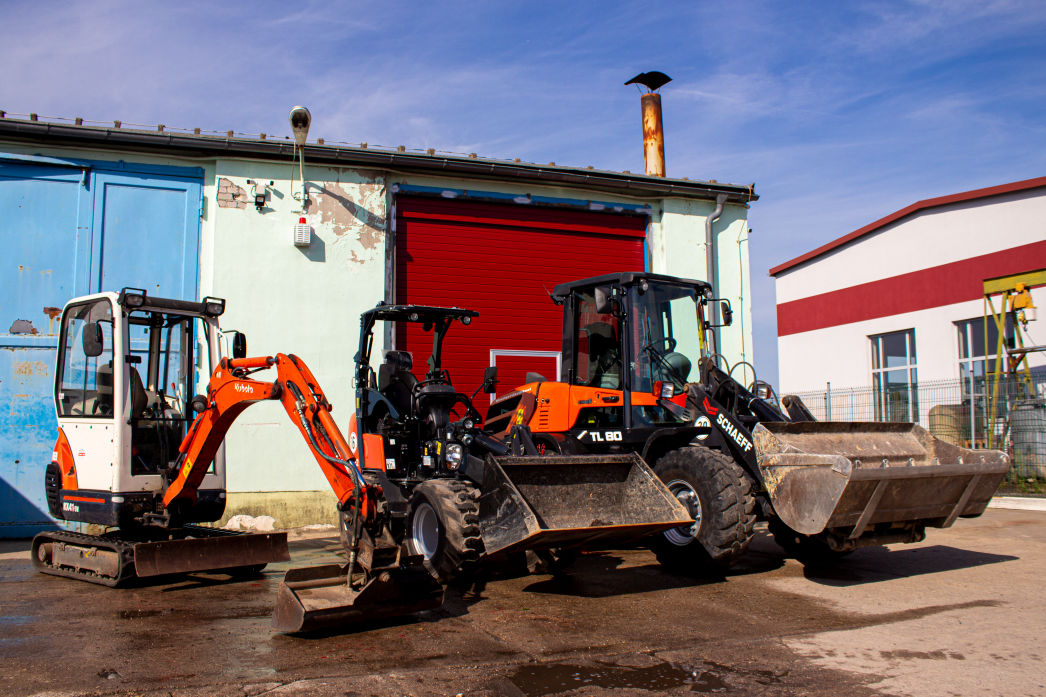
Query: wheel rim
(425,529)
(685,534)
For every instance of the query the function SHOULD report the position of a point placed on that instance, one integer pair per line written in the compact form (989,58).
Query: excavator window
(161,381)
(85,381)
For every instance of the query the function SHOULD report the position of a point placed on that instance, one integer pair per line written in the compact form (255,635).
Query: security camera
(301,119)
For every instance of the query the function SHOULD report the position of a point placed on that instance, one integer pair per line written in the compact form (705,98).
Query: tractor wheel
(443,527)
(718,493)
(808,549)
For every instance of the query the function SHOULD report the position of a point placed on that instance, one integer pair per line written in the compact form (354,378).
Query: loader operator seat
(679,364)
(395,380)
(604,356)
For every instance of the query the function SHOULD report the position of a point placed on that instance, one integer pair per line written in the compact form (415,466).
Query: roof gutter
(215,146)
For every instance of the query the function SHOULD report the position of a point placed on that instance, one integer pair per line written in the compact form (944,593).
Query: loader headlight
(455,456)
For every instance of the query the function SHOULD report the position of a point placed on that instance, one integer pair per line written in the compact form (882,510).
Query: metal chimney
(653,130)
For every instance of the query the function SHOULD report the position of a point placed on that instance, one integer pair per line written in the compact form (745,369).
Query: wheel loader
(630,345)
(467,497)
(138,453)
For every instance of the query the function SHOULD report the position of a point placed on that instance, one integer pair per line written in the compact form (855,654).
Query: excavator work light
(214,307)
(132,297)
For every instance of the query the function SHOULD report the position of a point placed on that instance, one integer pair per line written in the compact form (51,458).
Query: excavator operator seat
(139,397)
(395,380)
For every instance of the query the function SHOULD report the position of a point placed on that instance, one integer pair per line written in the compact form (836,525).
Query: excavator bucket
(848,476)
(573,501)
(320,597)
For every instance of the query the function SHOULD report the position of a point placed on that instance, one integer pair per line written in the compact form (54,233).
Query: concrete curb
(1018,503)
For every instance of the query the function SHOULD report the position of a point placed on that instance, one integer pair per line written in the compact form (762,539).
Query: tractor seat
(395,381)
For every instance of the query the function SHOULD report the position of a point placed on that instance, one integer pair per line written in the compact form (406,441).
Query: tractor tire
(443,527)
(718,493)
(811,550)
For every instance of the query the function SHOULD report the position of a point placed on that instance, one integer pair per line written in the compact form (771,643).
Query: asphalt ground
(959,614)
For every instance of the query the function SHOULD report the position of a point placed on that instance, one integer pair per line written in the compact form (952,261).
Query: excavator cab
(126,376)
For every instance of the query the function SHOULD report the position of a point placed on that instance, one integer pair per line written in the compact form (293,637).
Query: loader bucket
(209,549)
(573,501)
(852,475)
(319,597)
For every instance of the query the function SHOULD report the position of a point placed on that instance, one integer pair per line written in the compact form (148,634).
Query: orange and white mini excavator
(137,453)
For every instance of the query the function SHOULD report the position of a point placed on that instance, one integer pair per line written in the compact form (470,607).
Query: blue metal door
(72,228)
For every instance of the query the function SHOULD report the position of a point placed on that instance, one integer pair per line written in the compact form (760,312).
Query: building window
(894,379)
(976,365)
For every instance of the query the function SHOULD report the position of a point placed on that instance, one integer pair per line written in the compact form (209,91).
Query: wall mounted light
(260,191)
(301,119)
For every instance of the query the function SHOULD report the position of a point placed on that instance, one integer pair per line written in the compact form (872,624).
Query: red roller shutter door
(499,259)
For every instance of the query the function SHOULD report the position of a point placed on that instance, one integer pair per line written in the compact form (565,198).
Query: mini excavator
(132,456)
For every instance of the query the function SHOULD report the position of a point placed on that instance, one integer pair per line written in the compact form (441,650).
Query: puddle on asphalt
(551,679)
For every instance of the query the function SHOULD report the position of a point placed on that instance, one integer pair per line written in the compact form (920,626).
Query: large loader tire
(718,493)
(443,526)
(811,550)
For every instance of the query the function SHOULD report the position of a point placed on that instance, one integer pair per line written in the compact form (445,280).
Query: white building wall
(929,238)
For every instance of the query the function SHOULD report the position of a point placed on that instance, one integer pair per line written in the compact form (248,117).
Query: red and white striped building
(901,300)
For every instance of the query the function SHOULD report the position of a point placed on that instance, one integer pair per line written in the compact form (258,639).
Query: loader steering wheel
(668,342)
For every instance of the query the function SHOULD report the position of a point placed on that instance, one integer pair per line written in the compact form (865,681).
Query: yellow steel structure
(1015,300)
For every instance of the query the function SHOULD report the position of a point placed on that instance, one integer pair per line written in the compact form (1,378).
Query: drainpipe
(710,258)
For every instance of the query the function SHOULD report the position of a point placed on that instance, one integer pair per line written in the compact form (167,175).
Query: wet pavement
(958,614)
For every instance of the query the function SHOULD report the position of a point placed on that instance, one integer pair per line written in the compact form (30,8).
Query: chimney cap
(653,80)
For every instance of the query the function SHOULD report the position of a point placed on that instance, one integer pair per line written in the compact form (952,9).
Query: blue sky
(839,112)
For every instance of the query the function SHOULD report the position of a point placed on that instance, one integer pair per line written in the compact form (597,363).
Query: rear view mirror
(726,313)
(602,298)
(490,380)
(239,345)
(92,340)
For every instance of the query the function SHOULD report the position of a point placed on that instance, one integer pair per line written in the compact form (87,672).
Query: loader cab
(631,344)
(126,375)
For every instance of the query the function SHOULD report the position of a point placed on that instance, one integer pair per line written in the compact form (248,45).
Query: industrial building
(898,320)
(299,242)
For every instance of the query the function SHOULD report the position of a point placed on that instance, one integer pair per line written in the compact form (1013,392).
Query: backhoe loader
(131,456)
(468,497)
(630,342)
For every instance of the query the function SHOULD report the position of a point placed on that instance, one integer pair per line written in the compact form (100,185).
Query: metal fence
(956,411)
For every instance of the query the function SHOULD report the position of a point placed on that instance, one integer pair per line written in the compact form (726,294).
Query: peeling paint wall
(301,300)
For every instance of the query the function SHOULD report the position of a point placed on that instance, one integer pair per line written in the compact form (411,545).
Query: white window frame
(880,394)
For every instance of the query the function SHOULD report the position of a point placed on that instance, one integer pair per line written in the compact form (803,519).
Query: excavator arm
(230,391)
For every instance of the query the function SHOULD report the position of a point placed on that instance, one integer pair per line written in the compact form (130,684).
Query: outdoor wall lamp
(301,119)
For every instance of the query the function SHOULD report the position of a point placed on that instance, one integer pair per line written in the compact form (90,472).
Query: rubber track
(108,541)
(727,520)
(125,548)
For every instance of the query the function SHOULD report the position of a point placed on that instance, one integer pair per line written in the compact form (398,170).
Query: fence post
(828,401)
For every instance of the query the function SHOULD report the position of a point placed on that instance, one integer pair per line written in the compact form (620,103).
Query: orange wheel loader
(642,376)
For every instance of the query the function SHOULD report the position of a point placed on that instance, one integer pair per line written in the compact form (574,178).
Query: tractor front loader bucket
(573,501)
(321,597)
(848,477)
(208,549)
